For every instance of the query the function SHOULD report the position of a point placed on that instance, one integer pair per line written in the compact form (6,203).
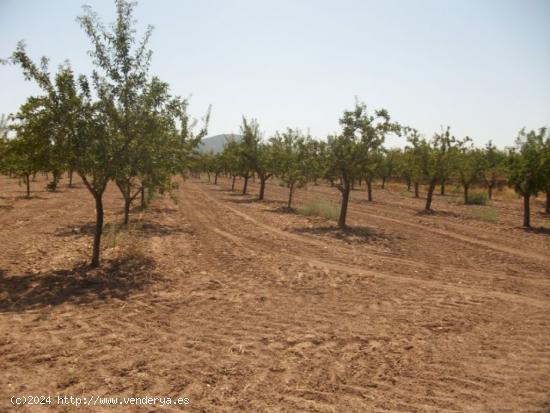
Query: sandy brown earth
(243,307)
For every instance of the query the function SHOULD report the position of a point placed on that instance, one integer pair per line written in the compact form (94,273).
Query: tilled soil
(242,306)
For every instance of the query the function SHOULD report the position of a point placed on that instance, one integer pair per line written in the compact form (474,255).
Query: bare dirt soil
(243,307)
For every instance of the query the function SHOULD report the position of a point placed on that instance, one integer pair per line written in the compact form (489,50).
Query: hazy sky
(480,66)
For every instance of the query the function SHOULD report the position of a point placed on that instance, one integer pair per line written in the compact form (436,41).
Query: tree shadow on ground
(158,210)
(255,200)
(352,235)
(244,200)
(283,209)
(6,207)
(157,229)
(373,202)
(25,198)
(79,229)
(439,213)
(78,285)
(141,228)
(537,230)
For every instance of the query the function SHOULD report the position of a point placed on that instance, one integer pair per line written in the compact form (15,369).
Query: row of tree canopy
(357,154)
(121,124)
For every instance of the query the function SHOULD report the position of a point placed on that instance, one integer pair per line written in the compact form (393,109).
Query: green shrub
(477,198)
(51,186)
(320,208)
(485,215)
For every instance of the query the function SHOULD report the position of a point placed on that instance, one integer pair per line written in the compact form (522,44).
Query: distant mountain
(215,143)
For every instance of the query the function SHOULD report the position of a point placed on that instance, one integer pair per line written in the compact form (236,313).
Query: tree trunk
(344,207)
(70,178)
(233,183)
(245,186)
(142,191)
(290,193)
(262,187)
(383,182)
(28,182)
(443,188)
(216,179)
(429,197)
(416,191)
(369,189)
(409,183)
(98,230)
(526,212)
(127,203)
(490,191)
(466,187)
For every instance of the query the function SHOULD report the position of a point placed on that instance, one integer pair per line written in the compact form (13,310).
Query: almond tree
(350,152)
(441,156)
(265,167)
(291,151)
(232,161)
(315,159)
(78,126)
(432,161)
(216,166)
(257,155)
(526,168)
(122,76)
(493,160)
(469,165)
(415,159)
(402,169)
(373,168)
(28,153)
(205,163)
(388,165)
(98,124)
(248,148)
(139,107)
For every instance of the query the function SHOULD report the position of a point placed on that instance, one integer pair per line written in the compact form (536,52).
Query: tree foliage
(526,167)
(120,124)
